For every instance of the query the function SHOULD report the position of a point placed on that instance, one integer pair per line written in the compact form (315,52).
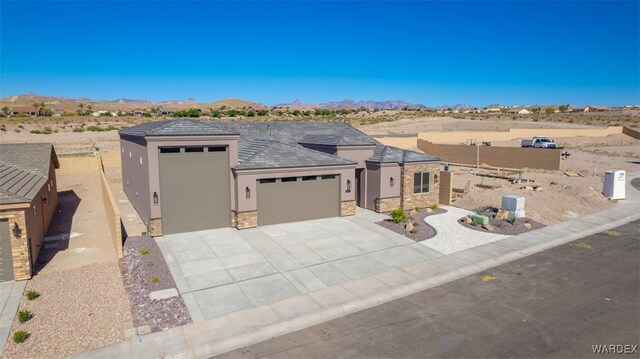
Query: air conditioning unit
(614,184)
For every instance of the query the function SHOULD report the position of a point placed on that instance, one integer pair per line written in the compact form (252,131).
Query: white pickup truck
(539,142)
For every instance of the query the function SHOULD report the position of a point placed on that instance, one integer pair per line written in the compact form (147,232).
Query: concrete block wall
(516,133)
(113,214)
(446,188)
(507,157)
(631,132)
(78,164)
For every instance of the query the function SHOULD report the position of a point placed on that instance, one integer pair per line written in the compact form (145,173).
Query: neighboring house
(520,111)
(26,110)
(28,199)
(164,111)
(138,112)
(597,109)
(183,175)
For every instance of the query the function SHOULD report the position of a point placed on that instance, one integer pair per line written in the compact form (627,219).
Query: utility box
(514,205)
(614,183)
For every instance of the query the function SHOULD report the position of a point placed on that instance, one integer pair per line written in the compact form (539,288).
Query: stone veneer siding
(446,188)
(246,219)
(387,204)
(19,246)
(347,208)
(422,200)
(155,227)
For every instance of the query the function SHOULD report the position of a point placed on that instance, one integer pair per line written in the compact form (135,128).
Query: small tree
(549,110)
(263,112)
(250,113)
(5,110)
(296,112)
(81,109)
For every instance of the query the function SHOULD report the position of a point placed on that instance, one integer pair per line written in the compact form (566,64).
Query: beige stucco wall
(135,174)
(356,153)
(379,184)
(249,178)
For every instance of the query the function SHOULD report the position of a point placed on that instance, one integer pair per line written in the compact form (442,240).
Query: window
(217,149)
(328,176)
(421,182)
(309,178)
(170,150)
(194,149)
(268,180)
(289,179)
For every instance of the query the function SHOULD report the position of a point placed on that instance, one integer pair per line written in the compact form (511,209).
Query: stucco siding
(135,175)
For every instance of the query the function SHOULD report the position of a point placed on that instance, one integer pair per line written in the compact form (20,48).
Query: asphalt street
(556,303)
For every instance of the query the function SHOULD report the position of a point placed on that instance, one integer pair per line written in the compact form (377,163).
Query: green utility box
(480,219)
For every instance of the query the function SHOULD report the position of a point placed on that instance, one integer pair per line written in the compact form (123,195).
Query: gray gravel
(423,230)
(160,314)
(78,309)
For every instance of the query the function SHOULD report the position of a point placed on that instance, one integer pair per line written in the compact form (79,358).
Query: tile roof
(24,169)
(181,127)
(388,154)
(271,154)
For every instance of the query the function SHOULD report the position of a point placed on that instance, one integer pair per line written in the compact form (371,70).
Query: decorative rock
(538,189)
(527,225)
(468,220)
(488,227)
(528,188)
(502,214)
(428,210)
(412,212)
(408,226)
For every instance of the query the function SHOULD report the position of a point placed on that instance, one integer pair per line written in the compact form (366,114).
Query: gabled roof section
(388,154)
(180,127)
(270,154)
(24,169)
(336,140)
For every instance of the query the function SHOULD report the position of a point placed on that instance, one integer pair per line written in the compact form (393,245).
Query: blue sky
(434,53)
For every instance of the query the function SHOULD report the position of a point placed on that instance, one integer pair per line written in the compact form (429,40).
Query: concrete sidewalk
(249,326)
(10,297)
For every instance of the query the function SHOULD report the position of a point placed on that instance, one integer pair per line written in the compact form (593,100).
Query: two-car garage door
(194,187)
(298,199)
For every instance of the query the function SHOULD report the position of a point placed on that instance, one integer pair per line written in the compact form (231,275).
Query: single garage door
(194,188)
(298,199)
(6,262)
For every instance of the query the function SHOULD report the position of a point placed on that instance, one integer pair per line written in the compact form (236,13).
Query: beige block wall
(506,157)
(111,158)
(113,214)
(631,132)
(516,133)
(78,164)
(400,142)
(422,200)
(446,188)
(387,204)
(347,208)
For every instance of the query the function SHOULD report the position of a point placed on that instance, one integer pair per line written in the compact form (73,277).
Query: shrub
(414,231)
(144,252)
(36,132)
(398,215)
(47,131)
(32,294)
(155,280)
(93,128)
(78,129)
(513,217)
(434,206)
(481,210)
(251,113)
(20,126)
(24,316)
(416,224)
(263,112)
(417,209)
(20,336)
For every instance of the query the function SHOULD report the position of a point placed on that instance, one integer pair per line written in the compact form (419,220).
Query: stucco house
(28,199)
(183,175)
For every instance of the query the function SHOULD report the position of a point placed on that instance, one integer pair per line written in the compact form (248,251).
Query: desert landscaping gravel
(422,229)
(78,309)
(147,272)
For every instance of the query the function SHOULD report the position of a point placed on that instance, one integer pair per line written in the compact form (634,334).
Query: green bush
(93,128)
(32,294)
(263,112)
(398,215)
(434,206)
(24,316)
(144,252)
(36,132)
(251,113)
(78,129)
(20,336)
(155,280)
(513,217)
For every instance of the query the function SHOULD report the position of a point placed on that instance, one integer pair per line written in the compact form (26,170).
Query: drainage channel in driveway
(288,269)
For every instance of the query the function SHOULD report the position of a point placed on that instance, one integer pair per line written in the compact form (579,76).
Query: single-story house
(520,111)
(28,199)
(597,109)
(23,110)
(138,112)
(166,111)
(184,175)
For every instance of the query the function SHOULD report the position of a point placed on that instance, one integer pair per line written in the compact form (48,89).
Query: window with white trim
(421,182)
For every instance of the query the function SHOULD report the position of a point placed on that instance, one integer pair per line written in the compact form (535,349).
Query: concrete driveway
(289,270)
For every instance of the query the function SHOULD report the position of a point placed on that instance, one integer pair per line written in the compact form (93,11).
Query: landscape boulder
(502,214)
(408,226)
(467,220)
(428,210)
(527,225)
(488,227)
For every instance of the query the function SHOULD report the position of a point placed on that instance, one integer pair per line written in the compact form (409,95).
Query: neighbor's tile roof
(271,154)
(24,169)
(388,154)
(181,127)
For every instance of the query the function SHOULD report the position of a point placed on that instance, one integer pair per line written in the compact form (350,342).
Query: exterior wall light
(17,232)
(155,198)
(391,182)
(348,186)
(247,192)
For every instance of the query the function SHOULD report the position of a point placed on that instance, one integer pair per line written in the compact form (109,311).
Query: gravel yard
(148,272)
(78,309)
(421,228)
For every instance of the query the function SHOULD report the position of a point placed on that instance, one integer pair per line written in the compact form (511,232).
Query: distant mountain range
(347,103)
